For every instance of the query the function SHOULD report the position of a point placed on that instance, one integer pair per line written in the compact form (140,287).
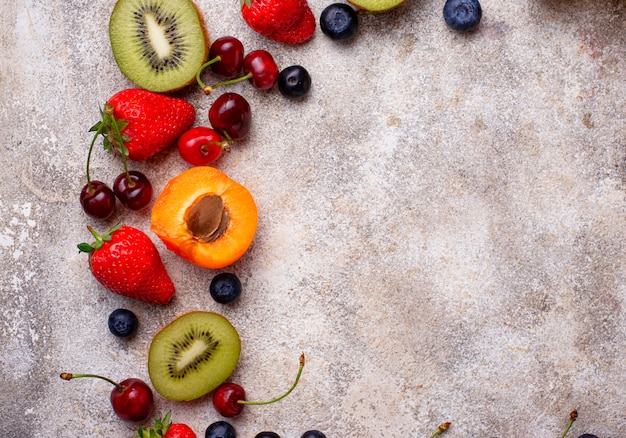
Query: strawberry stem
(70,376)
(100,239)
(441,429)
(118,140)
(245,402)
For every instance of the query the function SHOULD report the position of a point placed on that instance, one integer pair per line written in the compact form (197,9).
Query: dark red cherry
(231,116)
(263,70)
(225,399)
(230,398)
(132,399)
(230,52)
(134,190)
(97,200)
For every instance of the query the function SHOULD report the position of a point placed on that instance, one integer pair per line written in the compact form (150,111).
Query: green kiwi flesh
(193,355)
(158,44)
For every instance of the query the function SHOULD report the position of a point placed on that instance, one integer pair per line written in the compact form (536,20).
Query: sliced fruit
(205,217)
(376,5)
(193,355)
(158,44)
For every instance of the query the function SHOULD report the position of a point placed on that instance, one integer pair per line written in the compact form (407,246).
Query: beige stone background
(441,229)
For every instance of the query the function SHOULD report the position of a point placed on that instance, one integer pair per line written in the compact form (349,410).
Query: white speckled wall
(441,226)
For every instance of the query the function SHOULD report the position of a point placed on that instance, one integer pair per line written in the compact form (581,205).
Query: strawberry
(285,21)
(139,124)
(163,427)
(125,261)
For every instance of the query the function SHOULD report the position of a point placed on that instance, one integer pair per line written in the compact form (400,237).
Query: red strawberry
(180,430)
(163,427)
(139,124)
(125,261)
(286,21)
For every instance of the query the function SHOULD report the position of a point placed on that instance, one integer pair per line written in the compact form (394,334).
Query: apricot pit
(205,217)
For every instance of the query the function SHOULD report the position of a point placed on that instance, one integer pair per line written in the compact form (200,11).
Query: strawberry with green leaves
(164,428)
(138,123)
(126,262)
(285,21)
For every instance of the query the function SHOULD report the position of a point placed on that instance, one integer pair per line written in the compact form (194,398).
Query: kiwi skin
(206,342)
(131,71)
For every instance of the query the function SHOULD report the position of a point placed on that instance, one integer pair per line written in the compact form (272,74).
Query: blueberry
(267,435)
(225,288)
(587,435)
(313,434)
(122,323)
(339,21)
(220,429)
(294,81)
(462,15)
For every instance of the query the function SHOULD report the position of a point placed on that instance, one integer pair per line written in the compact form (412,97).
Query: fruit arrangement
(201,214)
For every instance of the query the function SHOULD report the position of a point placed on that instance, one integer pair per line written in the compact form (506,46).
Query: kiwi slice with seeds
(193,355)
(158,44)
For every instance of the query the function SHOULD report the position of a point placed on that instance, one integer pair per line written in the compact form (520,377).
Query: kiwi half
(193,355)
(158,44)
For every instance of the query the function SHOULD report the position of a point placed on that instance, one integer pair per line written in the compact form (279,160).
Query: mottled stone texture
(441,229)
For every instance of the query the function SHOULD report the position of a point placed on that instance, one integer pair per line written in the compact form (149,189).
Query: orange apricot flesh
(183,195)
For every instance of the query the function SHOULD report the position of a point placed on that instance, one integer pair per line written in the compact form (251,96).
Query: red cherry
(230,398)
(226,397)
(229,51)
(231,115)
(133,189)
(201,146)
(132,399)
(97,200)
(261,69)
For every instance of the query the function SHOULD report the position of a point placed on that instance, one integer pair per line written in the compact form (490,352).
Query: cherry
(97,200)
(230,398)
(226,399)
(132,399)
(225,59)
(259,68)
(231,115)
(133,189)
(228,51)
(201,146)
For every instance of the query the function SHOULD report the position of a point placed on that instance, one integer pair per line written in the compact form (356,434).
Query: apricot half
(205,217)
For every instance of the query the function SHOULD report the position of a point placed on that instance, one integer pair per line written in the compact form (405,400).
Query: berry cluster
(223,429)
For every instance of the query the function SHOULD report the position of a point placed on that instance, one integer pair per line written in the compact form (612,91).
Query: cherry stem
(93,141)
(245,402)
(209,89)
(70,376)
(441,429)
(225,145)
(572,417)
(201,69)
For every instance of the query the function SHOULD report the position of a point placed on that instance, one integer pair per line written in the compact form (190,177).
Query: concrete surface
(441,226)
